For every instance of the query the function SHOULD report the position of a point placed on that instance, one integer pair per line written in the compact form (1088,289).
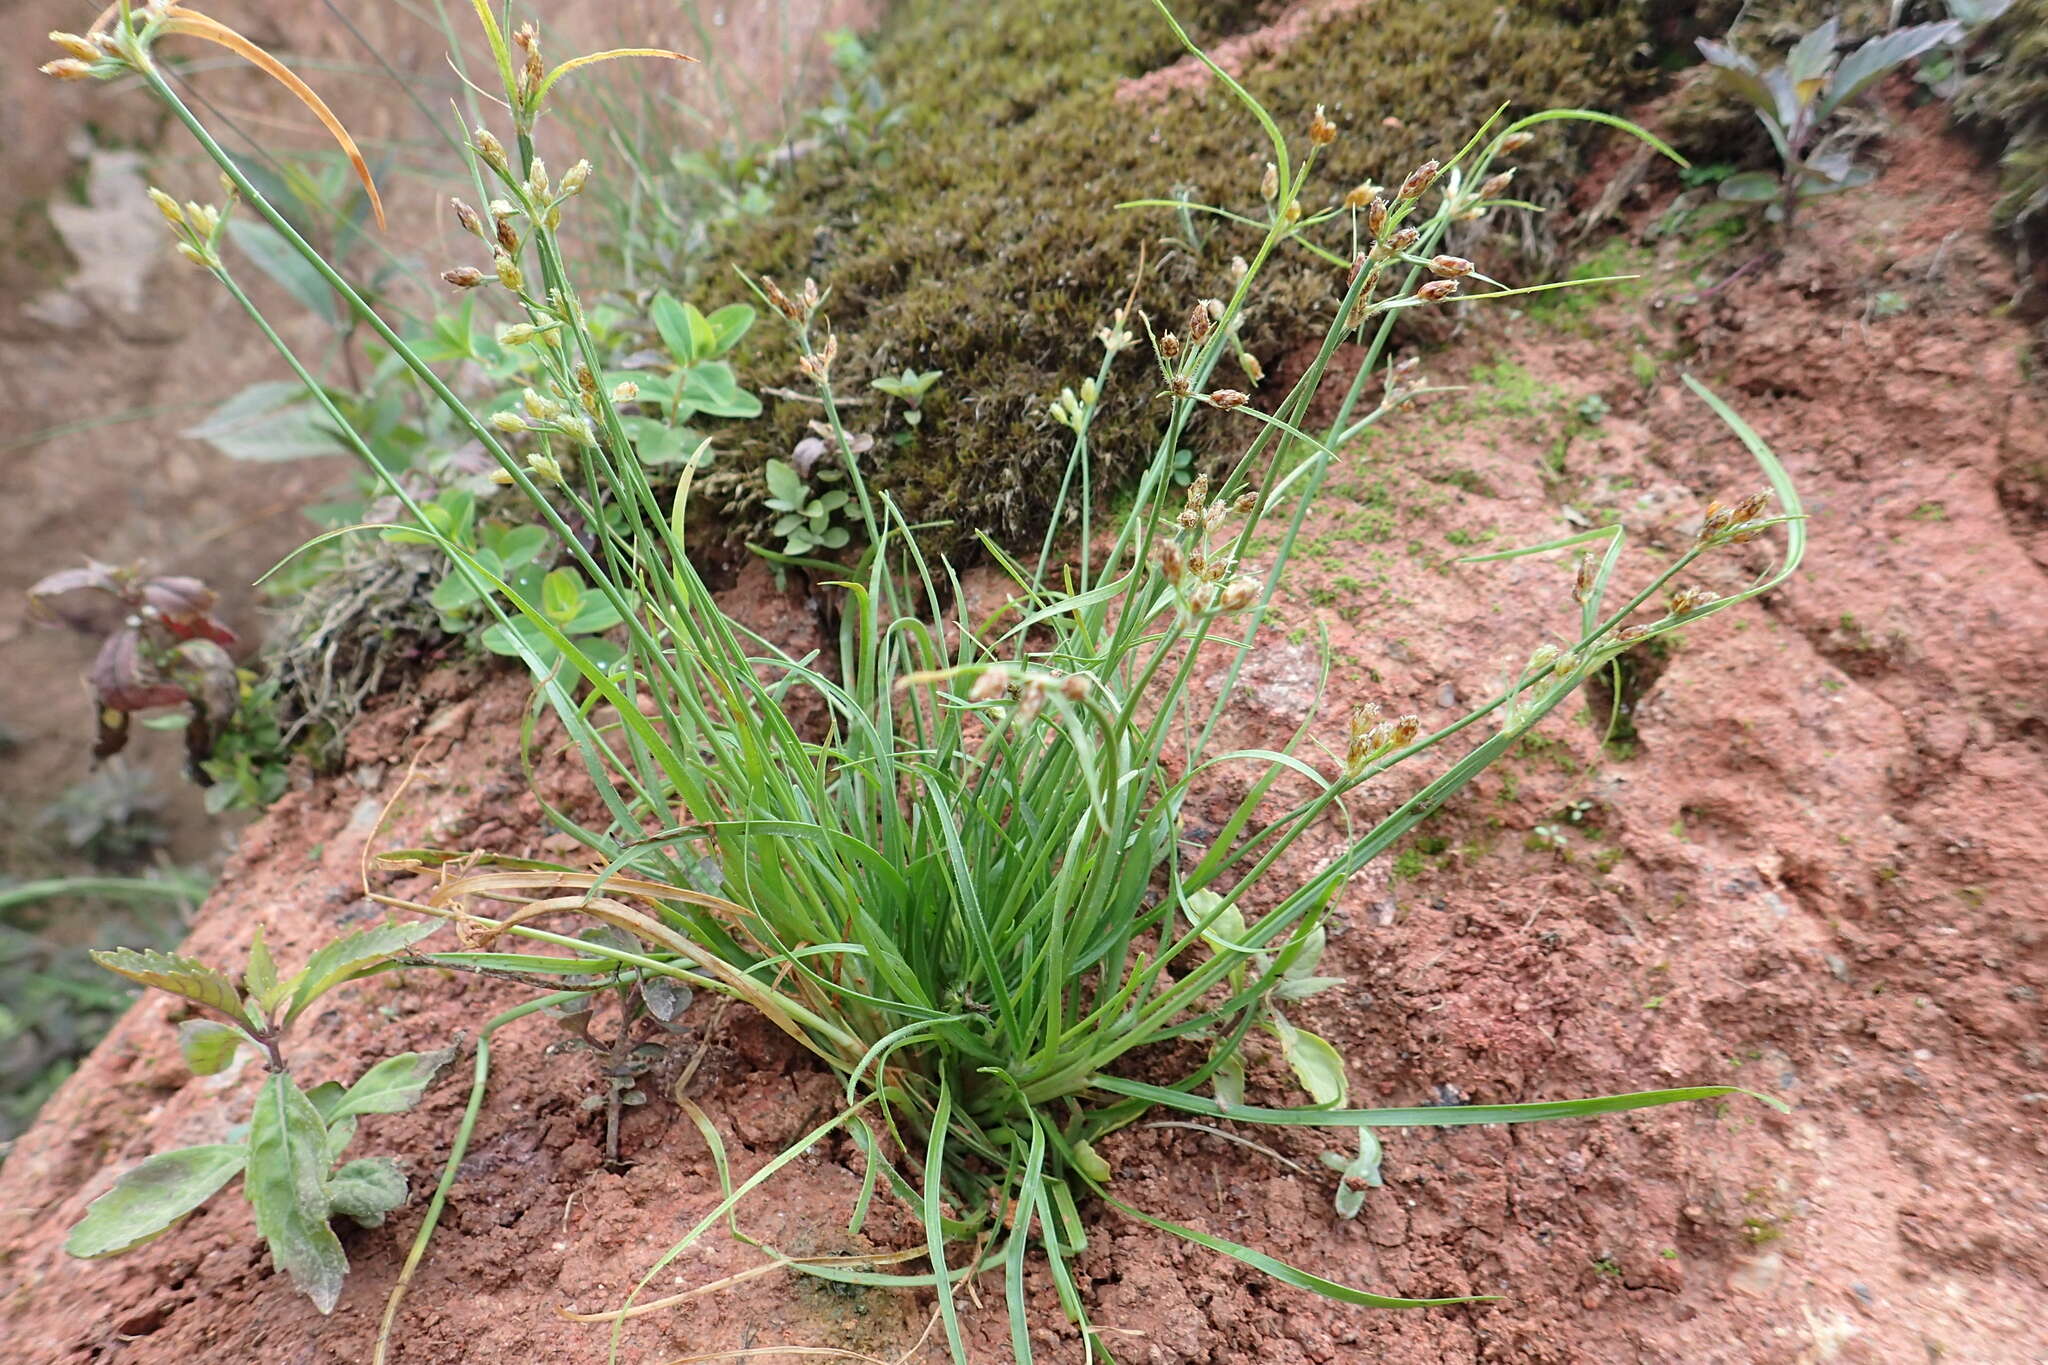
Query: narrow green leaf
(1447,1116)
(266,422)
(286,1184)
(1282,1271)
(149,1200)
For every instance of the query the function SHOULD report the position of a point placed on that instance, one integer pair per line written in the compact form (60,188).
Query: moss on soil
(2006,104)
(988,246)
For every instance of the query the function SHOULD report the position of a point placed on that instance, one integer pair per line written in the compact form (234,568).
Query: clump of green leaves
(289,1154)
(250,765)
(579,616)
(972,888)
(1797,101)
(810,513)
(909,389)
(698,380)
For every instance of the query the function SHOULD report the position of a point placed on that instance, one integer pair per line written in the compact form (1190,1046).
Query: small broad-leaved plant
(701,382)
(1797,100)
(289,1153)
(810,513)
(573,609)
(909,389)
(511,552)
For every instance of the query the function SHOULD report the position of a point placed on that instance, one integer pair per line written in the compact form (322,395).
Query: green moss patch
(986,242)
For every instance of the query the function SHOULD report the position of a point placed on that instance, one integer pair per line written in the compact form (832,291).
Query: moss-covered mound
(986,243)
(2006,100)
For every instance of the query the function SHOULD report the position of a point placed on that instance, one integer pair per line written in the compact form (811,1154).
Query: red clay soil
(1236,54)
(1818,874)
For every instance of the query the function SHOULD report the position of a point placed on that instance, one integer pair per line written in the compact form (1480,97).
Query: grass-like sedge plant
(971,892)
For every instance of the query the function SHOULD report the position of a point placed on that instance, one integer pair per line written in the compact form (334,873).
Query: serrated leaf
(194,980)
(367,1189)
(349,954)
(208,1047)
(1318,1066)
(286,1184)
(393,1085)
(149,1200)
(261,977)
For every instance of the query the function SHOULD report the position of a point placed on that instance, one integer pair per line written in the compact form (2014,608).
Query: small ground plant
(289,1152)
(1797,100)
(970,891)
